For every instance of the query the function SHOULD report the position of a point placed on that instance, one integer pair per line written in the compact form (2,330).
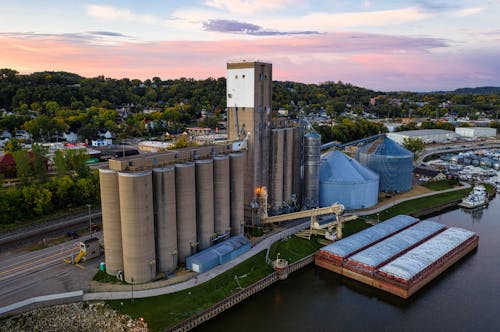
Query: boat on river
(477,197)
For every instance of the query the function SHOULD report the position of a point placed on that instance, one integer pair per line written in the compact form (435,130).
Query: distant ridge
(483,90)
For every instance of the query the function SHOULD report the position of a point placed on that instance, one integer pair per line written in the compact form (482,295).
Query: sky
(415,45)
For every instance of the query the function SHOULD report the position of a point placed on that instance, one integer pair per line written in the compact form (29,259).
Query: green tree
(37,199)
(60,162)
(39,160)
(23,165)
(414,145)
(76,161)
(12,145)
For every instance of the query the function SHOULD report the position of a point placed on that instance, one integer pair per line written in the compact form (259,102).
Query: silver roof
(384,250)
(419,258)
(370,235)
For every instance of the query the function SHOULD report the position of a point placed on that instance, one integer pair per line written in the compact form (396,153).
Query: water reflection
(466,297)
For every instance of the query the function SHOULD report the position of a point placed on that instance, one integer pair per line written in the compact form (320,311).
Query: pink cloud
(374,61)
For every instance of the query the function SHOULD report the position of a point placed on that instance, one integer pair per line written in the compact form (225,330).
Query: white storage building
(476,131)
(426,135)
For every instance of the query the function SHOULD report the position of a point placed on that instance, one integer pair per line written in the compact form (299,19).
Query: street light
(90,221)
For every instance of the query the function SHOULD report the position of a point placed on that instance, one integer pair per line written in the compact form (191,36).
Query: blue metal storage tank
(342,179)
(392,162)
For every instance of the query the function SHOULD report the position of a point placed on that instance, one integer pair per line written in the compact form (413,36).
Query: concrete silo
(136,210)
(344,180)
(392,162)
(296,166)
(165,218)
(185,198)
(288,165)
(111,221)
(204,176)
(221,194)
(312,144)
(277,150)
(237,187)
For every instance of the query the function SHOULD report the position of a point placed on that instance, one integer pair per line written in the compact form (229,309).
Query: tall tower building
(249,95)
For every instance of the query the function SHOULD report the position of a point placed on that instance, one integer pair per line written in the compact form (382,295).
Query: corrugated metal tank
(136,210)
(288,165)
(237,187)
(204,202)
(392,162)
(221,194)
(312,143)
(297,158)
(185,198)
(111,221)
(165,218)
(344,180)
(278,143)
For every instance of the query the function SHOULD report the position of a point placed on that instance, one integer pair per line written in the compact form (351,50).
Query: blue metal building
(342,179)
(392,162)
(217,254)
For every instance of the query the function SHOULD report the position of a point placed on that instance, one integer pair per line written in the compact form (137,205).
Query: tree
(60,162)
(39,160)
(12,145)
(23,165)
(414,145)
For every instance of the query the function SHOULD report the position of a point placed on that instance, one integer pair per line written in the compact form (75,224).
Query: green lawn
(418,204)
(441,185)
(294,248)
(161,312)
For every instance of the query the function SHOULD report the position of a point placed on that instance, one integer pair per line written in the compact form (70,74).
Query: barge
(403,262)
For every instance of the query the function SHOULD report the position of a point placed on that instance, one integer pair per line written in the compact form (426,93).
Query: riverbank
(154,308)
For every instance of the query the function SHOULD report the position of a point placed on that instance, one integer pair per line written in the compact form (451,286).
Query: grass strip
(164,311)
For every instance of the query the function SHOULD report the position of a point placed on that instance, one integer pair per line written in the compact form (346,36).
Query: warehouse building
(475,132)
(428,136)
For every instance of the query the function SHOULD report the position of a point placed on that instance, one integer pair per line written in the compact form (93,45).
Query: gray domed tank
(344,180)
(312,144)
(392,162)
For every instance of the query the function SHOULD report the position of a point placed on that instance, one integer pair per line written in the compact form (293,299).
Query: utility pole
(90,221)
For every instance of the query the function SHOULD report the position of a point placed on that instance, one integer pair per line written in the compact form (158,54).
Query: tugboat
(476,198)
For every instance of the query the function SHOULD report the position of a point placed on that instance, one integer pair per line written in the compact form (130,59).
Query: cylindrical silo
(312,143)
(344,180)
(392,162)
(111,221)
(165,218)
(136,209)
(185,199)
(221,194)
(297,159)
(288,165)
(278,142)
(204,202)
(237,184)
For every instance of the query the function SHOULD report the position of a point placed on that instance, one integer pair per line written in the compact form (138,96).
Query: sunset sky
(382,45)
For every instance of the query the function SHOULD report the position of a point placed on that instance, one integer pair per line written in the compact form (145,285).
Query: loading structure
(402,262)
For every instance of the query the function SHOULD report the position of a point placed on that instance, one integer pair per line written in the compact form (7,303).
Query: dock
(400,257)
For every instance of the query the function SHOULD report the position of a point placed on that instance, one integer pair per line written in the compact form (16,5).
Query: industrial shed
(392,162)
(218,254)
(428,136)
(476,131)
(342,179)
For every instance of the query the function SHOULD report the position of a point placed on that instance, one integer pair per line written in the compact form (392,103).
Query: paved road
(42,272)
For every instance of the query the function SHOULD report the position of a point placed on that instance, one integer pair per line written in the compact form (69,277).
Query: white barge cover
(417,259)
(353,243)
(381,252)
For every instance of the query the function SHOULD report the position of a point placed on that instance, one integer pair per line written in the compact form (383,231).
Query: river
(466,297)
